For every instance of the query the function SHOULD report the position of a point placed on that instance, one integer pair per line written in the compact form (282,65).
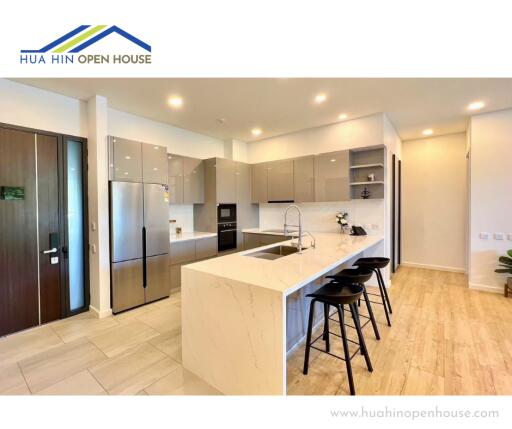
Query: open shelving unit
(363,163)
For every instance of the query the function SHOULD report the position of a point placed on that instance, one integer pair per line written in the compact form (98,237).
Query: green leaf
(503,270)
(505,260)
(509,253)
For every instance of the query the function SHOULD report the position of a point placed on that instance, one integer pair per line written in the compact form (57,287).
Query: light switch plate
(499,236)
(484,235)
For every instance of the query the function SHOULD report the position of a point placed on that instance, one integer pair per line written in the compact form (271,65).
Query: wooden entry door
(49,229)
(30,283)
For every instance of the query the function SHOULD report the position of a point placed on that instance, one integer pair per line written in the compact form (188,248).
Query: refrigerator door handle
(144,271)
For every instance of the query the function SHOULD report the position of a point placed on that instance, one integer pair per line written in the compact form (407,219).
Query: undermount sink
(281,231)
(275,252)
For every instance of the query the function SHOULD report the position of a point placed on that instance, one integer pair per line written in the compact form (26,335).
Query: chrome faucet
(286,225)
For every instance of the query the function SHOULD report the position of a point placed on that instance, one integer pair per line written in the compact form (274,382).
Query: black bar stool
(375,264)
(358,276)
(336,295)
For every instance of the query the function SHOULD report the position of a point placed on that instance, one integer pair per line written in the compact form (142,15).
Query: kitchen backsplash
(321,217)
(184,216)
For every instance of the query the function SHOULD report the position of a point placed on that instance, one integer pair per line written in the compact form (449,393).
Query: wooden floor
(137,352)
(445,340)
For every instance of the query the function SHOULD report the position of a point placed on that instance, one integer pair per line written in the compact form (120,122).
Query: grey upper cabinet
(193,181)
(332,176)
(304,179)
(175,177)
(259,182)
(243,182)
(126,161)
(154,164)
(280,180)
(226,180)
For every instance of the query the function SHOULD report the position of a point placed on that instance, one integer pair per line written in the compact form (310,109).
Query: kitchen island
(241,313)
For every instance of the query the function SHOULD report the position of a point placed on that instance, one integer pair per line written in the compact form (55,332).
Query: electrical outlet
(484,235)
(509,237)
(499,236)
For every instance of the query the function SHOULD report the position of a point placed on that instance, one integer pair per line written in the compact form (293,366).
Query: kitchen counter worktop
(241,314)
(186,236)
(291,272)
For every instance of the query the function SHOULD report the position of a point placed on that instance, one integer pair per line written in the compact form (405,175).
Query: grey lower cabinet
(332,176)
(304,179)
(253,240)
(225,172)
(175,168)
(154,164)
(280,181)
(259,182)
(193,181)
(186,252)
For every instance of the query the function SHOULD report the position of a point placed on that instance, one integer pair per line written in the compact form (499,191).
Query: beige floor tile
(164,319)
(82,383)
(132,315)
(175,298)
(11,380)
(51,366)
(169,343)
(119,339)
(181,382)
(19,346)
(134,370)
(85,324)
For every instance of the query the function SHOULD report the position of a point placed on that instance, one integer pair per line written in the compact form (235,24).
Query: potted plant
(506,268)
(341,219)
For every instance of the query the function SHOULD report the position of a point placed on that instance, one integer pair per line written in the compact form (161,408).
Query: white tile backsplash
(321,217)
(184,216)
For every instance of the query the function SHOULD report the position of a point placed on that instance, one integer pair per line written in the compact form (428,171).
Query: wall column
(99,252)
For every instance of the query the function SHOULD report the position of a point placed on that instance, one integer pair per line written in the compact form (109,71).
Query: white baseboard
(486,288)
(432,267)
(100,314)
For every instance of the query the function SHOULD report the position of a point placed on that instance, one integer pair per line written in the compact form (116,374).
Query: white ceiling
(279,106)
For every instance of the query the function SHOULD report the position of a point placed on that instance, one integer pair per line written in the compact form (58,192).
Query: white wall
(177,140)
(434,202)
(491,196)
(367,131)
(31,107)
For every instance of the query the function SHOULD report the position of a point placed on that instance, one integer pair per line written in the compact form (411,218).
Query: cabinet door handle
(46,252)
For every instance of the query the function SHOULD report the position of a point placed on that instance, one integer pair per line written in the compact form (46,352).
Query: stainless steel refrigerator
(139,242)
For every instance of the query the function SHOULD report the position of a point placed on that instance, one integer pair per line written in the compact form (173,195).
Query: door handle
(46,252)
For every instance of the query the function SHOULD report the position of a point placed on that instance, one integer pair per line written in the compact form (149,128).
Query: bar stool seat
(336,295)
(375,264)
(359,276)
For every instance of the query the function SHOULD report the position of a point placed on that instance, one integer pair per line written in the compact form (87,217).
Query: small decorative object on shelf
(371,177)
(365,193)
(341,218)
(506,264)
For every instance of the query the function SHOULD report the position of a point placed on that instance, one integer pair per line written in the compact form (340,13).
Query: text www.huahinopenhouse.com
(413,414)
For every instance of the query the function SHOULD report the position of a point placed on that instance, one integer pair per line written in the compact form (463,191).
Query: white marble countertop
(289,273)
(186,236)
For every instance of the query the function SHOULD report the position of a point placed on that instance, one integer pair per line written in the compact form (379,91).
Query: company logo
(69,48)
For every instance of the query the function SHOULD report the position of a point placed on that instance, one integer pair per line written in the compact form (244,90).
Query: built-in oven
(226,235)
(226,213)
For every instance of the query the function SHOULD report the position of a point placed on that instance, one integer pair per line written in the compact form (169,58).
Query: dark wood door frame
(62,162)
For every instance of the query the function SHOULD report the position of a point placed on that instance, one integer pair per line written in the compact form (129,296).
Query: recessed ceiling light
(342,117)
(476,105)
(155,169)
(256,131)
(428,132)
(128,157)
(175,101)
(320,98)
(333,160)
